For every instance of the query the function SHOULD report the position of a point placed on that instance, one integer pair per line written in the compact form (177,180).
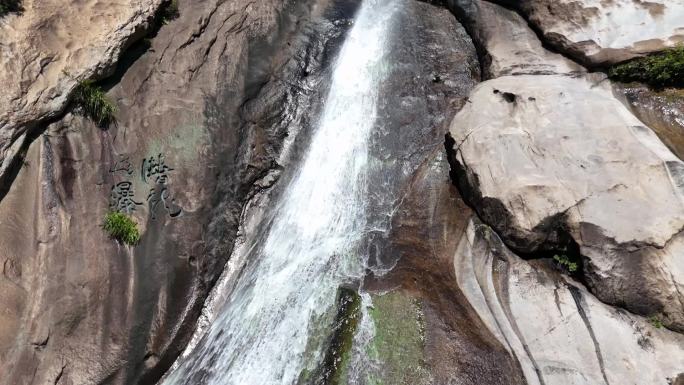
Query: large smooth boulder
(554,160)
(508,46)
(50,46)
(560,333)
(600,32)
(544,156)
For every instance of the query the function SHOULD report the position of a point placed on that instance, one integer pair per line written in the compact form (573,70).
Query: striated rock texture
(47,49)
(507,45)
(560,333)
(599,32)
(204,109)
(662,111)
(601,177)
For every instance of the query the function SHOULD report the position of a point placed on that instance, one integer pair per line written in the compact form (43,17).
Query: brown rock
(47,48)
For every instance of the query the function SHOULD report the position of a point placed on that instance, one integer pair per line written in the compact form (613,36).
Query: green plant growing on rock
(655,321)
(94,103)
(565,261)
(663,69)
(122,228)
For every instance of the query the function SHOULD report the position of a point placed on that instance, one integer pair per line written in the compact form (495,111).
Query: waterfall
(264,333)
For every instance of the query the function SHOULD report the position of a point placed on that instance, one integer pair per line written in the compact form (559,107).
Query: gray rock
(509,46)
(560,333)
(601,32)
(544,157)
(602,177)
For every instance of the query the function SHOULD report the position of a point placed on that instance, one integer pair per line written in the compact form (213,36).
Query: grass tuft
(656,322)
(122,228)
(663,69)
(94,103)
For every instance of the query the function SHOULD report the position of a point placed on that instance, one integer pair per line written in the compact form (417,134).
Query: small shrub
(94,103)
(663,69)
(564,261)
(122,228)
(169,12)
(655,321)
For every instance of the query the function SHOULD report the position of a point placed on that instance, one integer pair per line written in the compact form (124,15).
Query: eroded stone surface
(543,156)
(209,97)
(604,32)
(560,333)
(601,176)
(510,47)
(50,46)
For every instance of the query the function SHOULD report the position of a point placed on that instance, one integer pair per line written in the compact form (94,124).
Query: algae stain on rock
(333,368)
(184,142)
(399,340)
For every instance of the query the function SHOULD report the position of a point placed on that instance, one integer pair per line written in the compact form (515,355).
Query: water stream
(265,331)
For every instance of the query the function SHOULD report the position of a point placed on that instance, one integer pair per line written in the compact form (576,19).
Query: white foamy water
(262,335)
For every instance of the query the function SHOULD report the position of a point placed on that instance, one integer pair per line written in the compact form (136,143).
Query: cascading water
(263,335)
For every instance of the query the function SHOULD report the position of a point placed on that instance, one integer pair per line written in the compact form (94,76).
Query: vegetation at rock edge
(121,227)
(94,103)
(656,322)
(566,263)
(663,69)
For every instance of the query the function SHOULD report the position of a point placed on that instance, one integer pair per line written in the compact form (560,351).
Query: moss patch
(399,340)
(332,370)
(664,69)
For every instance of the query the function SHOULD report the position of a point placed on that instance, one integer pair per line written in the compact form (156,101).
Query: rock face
(599,32)
(601,177)
(201,125)
(662,111)
(560,333)
(48,48)
(507,45)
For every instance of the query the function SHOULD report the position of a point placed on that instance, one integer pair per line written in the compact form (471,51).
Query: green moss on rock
(332,370)
(663,69)
(399,340)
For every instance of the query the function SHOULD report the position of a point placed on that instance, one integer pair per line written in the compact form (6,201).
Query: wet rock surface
(216,107)
(425,331)
(600,32)
(661,110)
(201,124)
